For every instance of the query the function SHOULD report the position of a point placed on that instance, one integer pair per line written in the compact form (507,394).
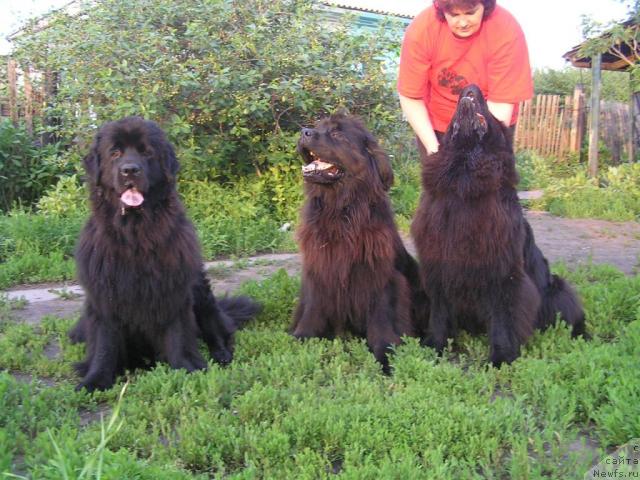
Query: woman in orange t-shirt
(452,44)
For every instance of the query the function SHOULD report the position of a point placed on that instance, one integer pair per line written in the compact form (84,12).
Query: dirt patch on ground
(577,241)
(570,241)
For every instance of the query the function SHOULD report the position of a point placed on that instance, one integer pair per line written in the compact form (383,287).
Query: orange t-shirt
(435,65)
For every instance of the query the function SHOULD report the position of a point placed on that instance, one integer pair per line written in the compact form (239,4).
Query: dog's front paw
(438,344)
(501,355)
(95,383)
(222,356)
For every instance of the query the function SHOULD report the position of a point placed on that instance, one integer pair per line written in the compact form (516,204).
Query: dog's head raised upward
(341,149)
(473,124)
(132,163)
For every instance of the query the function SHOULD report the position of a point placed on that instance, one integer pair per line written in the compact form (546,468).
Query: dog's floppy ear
(380,162)
(171,164)
(91,162)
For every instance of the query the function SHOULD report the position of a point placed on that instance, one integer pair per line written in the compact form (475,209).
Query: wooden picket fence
(24,101)
(616,130)
(551,125)
(555,126)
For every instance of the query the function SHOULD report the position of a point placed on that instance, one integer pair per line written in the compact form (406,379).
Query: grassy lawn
(321,409)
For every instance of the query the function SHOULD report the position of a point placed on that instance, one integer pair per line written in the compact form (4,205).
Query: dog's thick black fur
(138,259)
(357,276)
(480,265)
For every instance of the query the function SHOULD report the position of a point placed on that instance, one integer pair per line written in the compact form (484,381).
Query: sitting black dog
(357,276)
(138,259)
(480,265)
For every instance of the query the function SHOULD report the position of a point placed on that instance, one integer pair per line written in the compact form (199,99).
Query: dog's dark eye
(337,134)
(144,150)
(115,154)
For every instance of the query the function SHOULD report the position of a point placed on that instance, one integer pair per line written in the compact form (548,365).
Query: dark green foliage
(615,85)
(26,170)
(231,82)
(407,186)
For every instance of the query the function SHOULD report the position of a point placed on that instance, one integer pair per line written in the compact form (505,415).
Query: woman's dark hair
(442,6)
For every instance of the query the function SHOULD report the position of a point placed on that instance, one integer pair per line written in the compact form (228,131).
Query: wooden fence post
(51,89)
(577,119)
(28,103)
(635,126)
(13,91)
(594,136)
(565,134)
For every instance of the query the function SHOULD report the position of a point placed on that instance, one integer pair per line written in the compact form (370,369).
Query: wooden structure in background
(13,89)
(595,114)
(28,100)
(615,130)
(618,58)
(23,101)
(577,119)
(552,125)
(555,126)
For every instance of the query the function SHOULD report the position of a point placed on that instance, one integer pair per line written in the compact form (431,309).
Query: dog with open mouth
(138,258)
(357,276)
(480,265)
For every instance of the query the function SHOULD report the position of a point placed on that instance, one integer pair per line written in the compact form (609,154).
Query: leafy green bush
(537,172)
(238,218)
(231,82)
(68,198)
(36,248)
(26,170)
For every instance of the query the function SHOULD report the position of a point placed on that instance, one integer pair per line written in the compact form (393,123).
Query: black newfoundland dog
(480,265)
(138,259)
(357,276)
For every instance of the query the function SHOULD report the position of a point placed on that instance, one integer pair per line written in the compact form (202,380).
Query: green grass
(406,189)
(240,219)
(319,409)
(569,192)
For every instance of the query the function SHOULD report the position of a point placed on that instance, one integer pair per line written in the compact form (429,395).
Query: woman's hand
(418,117)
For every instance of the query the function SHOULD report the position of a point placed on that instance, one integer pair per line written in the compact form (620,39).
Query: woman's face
(464,22)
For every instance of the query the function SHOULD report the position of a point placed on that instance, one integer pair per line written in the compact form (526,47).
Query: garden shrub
(230,82)
(26,170)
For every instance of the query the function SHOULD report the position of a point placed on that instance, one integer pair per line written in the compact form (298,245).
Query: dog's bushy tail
(559,297)
(240,309)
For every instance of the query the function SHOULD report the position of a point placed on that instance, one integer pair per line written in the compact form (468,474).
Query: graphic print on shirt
(451,80)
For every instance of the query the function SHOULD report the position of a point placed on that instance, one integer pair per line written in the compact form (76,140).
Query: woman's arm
(502,111)
(418,117)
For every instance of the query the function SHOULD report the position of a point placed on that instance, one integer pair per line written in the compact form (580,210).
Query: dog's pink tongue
(132,198)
